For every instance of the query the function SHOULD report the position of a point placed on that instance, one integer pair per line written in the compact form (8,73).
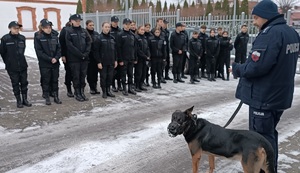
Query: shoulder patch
(255,56)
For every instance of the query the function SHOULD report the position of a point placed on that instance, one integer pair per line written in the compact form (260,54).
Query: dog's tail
(270,160)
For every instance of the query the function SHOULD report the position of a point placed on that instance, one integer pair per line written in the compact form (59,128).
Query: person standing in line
(218,59)
(225,48)
(143,54)
(148,35)
(106,57)
(267,78)
(47,48)
(203,37)
(126,49)
(167,35)
(178,45)
(92,71)
(185,33)
(196,51)
(78,43)
(64,58)
(12,51)
(114,30)
(212,49)
(240,45)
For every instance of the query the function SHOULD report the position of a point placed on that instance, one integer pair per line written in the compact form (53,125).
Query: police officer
(167,35)
(185,33)
(78,43)
(240,45)
(267,77)
(114,30)
(92,71)
(126,55)
(218,59)
(158,57)
(225,48)
(47,48)
(203,36)
(12,52)
(212,49)
(195,50)
(64,58)
(148,35)
(106,57)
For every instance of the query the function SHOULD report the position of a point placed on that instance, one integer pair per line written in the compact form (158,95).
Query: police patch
(255,56)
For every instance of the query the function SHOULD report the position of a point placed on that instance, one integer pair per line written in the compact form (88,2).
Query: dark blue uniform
(267,77)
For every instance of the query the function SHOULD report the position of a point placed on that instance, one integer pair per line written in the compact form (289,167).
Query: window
(53,15)
(27,17)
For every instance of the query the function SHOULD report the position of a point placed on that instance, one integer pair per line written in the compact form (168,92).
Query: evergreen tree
(135,4)
(119,5)
(193,4)
(158,6)
(225,7)
(237,6)
(151,4)
(165,7)
(172,7)
(178,6)
(129,4)
(209,8)
(79,7)
(143,3)
(200,3)
(185,4)
(244,7)
(218,6)
(89,6)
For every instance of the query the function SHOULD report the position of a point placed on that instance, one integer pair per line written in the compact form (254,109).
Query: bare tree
(285,5)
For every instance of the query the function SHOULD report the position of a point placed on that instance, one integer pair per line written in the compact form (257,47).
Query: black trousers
(167,67)
(240,57)
(92,73)
(264,122)
(49,78)
(127,70)
(68,74)
(79,71)
(183,63)
(156,66)
(227,64)
(203,63)
(177,63)
(140,72)
(221,64)
(210,65)
(19,81)
(193,67)
(106,75)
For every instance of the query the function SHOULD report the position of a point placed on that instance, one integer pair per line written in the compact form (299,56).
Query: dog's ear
(189,111)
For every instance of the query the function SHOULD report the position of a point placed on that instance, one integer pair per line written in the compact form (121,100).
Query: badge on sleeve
(255,56)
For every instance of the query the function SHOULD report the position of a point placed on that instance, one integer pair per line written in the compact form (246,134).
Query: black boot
(69,91)
(19,101)
(56,99)
(179,79)
(125,92)
(25,101)
(47,98)
(227,76)
(167,76)
(78,96)
(213,77)
(154,85)
(137,88)
(196,79)
(83,95)
(192,80)
(175,78)
(183,76)
(109,94)
(158,85)
(142,87)
(203,75)
(163,80)
(92,89)
(104,92)
(130,89)
(209,77)
(120,88)
(223,77)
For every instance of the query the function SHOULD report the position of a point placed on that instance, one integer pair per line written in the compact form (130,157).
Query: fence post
(130,13)
(209,20)
(112,12)
(243,18)
(177,15)
(97,21)
(288,17)
(150,15)
(83,19)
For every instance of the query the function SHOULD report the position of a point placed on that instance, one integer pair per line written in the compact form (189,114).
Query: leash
(234,114)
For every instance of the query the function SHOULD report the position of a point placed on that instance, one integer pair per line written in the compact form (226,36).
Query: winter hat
(266,9)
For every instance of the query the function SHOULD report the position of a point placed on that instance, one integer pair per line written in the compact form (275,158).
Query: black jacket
(93,34)
(47,47)
(114,31)
(62,41)
(78,43)
(177,42)
(195,48)
(225,47)
(212,47)
(157,48)
(126,46)
(186,38)
(104,49)
(143,51)
(240,43)
(167,35)
(203,37)
(12,50)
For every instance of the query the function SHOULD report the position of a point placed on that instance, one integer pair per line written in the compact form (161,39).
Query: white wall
(8,13)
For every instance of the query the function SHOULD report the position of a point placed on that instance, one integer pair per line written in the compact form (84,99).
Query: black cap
(126,20)
(179,24)
(46,22)
(165,21)
(75,17)
(13,24)
(114,19)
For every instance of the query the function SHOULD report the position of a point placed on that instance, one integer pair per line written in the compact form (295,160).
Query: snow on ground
(29,51)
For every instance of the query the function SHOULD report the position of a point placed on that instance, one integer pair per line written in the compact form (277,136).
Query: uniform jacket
(267,77)
(78,43)
(143,51)
(12,50)
(157,48)
(225,47)
(93,34)
(114,31)
(177,42)
(240,43)
(47,47)
(62,41)
(203,37)
(126,46)
(212,47)
(167,35)
(195,48)
(105,49)
(186,39)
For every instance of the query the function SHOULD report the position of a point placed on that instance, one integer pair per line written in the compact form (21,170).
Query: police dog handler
(267,77)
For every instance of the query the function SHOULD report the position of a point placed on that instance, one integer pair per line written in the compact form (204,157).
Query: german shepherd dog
(253,150)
